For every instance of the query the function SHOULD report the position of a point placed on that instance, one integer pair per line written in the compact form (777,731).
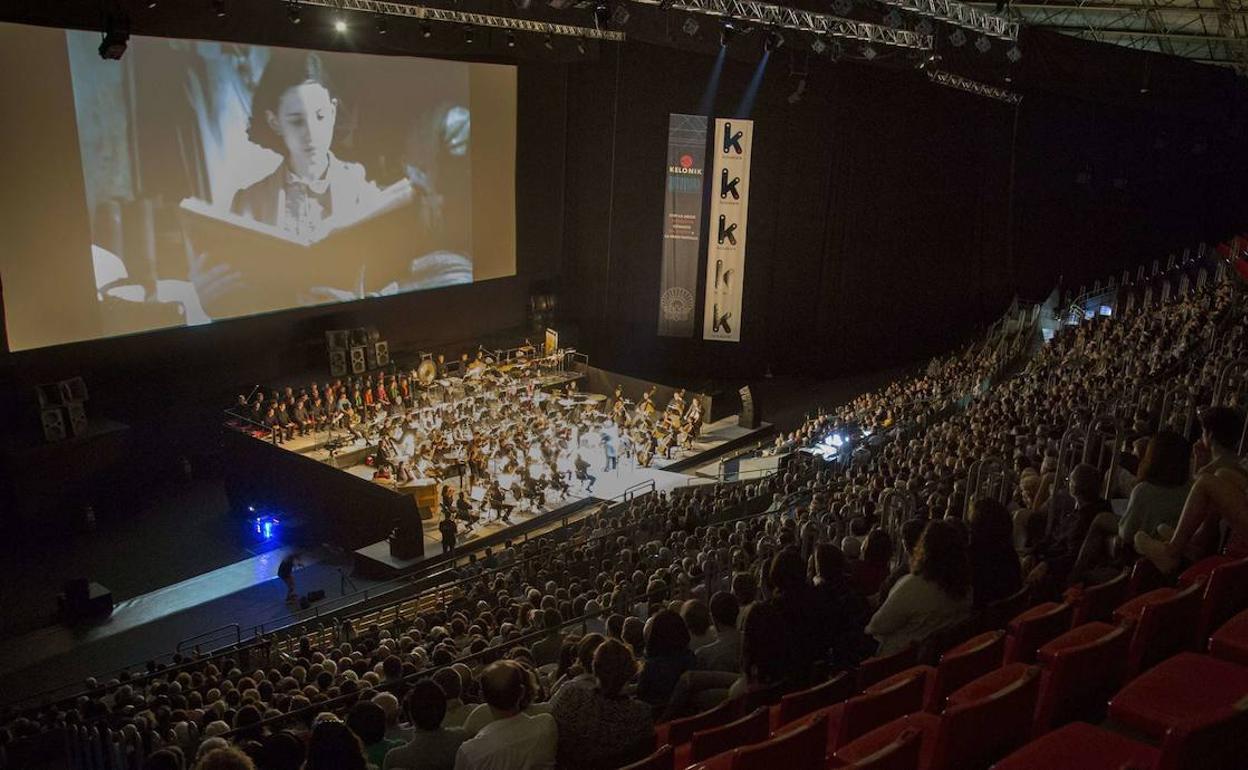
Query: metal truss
(426,13)
(973,86)
(1207,31)
(768,15)
(960,15)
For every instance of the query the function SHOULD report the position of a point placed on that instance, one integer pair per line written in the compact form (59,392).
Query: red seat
(679,731)
(881,667)
(1099,601)
(1185,686)
(1226,593)
(884,701)
(1082,668)
(969,660)
(997,614)
(1230,642)
(752,728)
(1203,568)
(803,702)
(803,749)
(1035,627)
(1144,578)
(983,721)
(661,759)
(901,754)
(1164,623)
(1215,741)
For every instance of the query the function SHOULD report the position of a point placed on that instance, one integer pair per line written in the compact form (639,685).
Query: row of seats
(1026,685)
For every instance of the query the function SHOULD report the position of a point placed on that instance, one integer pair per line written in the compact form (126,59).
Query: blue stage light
(266,526)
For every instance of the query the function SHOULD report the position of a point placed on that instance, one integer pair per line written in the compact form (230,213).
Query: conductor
(448,530)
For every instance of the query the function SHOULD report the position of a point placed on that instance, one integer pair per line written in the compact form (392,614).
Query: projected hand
(212,283)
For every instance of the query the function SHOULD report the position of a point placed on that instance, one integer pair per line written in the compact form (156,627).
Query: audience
(513,739)
(723,654)
(433,746)
(667,658)
(600,726)
(995,569)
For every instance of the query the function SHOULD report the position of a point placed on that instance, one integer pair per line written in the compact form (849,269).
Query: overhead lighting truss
(960,15)
(768,15)
(973,86)
(425,13)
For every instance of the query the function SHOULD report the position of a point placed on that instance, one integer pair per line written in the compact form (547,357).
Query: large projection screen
(195,181)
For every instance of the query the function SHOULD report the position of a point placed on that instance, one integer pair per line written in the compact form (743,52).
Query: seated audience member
(600,726)
(851,544)
(1058,552)
(911,530)
(667,657)
(432,746)
(332,746)
(723,654)
(995,570)
(843,606)
(804,624)
(1156,501)
(1218,494)
(547,649)
(581,674)
(391,708)
(368,721)
(744,587)
(513,740)
(282,751)
(534,702)
(697,617)
(452,683)
(935,594)
(168,758)
(871,568)
(230,758)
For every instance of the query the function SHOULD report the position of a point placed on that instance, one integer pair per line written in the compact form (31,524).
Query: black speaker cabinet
(378,354)
(85,600)
(749,410)
(338,363)
(359,360)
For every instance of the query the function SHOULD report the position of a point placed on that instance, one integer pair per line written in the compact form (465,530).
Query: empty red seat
(901,754)
(1215,741)
(1186,686)
(1226,593)
(803,702)
(1164,623)
(1203,568)
(1230,642)
(969,660)
(881,667)
(805,748)
(661,759)
(752,728)
(1033,628)
(679,731)
(1082,668)
(1099,601)
(997,614)
(983,721)
(882,702)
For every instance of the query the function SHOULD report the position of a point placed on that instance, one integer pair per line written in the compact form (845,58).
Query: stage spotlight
(842,7)
(511,39)
(924,27)
(152,4)
(726,31)
(690,27)
(549,43)
(982,44)
(602,15)
(218,7)
(340,26)
(468,35)
(1014,54)
(957,38)
(426,31)
(113,46)
(621,15)
(892,18)
(818,46)
(774,40)
(930,62)
(293,13)
(868,52)
(383,26)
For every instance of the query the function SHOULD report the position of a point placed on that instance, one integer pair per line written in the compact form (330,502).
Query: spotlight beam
(769,15)
(426,13)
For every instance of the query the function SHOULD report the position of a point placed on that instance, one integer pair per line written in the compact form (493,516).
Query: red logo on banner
(686,161)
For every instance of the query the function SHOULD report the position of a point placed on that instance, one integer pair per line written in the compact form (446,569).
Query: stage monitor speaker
(378,354)
(73,390)
(337,363)
(54,427)
(749,410)
(77,590)
(77,418)
(359,361)
(337,339)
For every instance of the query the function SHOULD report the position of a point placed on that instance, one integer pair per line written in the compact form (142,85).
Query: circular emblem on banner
(686,161)
(677,304)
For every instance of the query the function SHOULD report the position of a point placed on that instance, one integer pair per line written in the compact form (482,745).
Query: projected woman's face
(305,121)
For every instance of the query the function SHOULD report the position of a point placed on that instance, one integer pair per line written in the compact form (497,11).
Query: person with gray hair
(513,740)
(1057,553)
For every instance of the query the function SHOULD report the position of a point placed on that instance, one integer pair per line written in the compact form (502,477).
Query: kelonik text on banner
(682,223)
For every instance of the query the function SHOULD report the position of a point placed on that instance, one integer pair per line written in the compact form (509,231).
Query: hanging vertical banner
(682,223)
(725,244)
